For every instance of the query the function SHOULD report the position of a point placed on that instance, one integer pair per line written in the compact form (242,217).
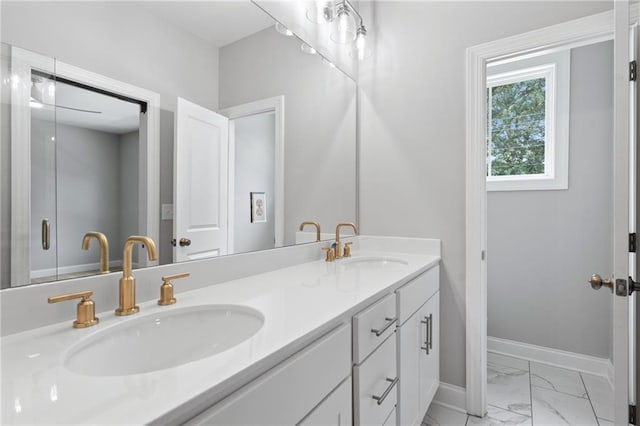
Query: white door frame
(579,32)
(275,105)
(22,62)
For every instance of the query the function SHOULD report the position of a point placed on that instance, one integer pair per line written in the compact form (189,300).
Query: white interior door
(633,218)
(621,208)
(201,178)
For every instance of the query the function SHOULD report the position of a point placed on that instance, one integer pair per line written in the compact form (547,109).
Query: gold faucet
(316,224)
(340,225)
(127,282)
(104,248)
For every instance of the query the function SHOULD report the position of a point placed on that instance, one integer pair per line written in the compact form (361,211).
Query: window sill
(528,184)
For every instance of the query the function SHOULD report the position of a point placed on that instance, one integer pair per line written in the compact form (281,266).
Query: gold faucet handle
(166,289)
(347,249)
(86,310)
(331,254)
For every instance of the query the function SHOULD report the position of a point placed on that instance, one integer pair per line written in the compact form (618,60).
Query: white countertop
(299,303)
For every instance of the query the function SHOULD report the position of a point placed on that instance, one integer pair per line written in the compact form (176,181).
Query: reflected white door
(201,176)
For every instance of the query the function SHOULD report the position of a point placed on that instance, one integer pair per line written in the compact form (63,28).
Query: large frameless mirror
(207,126)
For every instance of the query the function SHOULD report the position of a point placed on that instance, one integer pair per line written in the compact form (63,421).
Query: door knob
(596,282)
(185,242)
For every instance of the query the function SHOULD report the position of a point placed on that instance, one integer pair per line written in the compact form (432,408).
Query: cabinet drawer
(285,394)
(413,294)
(372,326)
(335,410)
(376,377)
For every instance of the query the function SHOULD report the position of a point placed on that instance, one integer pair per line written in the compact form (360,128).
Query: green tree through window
(516,139)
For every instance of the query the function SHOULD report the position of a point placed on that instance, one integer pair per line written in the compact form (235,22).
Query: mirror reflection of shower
(85,153)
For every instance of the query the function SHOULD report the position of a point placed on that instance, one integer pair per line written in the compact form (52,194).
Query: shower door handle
(46,229)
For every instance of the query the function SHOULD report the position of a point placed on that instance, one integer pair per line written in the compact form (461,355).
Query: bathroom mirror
(290,115)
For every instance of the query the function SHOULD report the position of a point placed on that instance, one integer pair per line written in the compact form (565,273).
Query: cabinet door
(374,381)
(289,391)
(430,362)
(335,410)
(411,336)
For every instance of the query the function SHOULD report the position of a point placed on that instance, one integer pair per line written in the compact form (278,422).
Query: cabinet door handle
(46,241)
(426,321)
(430,331)
(380,399)
(390,322)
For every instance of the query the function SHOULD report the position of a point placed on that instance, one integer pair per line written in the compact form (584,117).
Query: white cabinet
(429,370)
(335,410)
(418,348)
(287,393)
(382,370)
(373,326)
(410,337)
(374,384)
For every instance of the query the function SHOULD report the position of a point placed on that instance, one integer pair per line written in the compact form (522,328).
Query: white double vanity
(283,338)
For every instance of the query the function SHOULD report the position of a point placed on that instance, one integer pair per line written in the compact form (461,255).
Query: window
(527,123)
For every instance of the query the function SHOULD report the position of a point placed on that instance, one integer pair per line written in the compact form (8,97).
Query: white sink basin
(372,261)
(164,340)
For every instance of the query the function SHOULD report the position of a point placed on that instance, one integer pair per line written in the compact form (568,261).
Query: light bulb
(344,32)
(343,21)
(361,41)
(321,13)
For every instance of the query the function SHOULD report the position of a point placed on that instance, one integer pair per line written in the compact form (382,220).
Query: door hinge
(633,68)
(632,415)
(632,242)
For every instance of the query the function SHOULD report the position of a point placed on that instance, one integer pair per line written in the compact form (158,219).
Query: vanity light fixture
(343,34)
(322,13)
(343,14)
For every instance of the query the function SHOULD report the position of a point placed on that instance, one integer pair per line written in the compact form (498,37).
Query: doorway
(256,165)
(549,334)
(571,35)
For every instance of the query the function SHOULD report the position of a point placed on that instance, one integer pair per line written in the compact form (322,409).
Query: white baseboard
(610,374)
(50,272)
(559,358)
(451,396)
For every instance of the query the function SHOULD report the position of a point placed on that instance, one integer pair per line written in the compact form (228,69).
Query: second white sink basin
(168,339)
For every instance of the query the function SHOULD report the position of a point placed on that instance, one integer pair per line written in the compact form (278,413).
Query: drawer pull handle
(380,399)
(430,331)
(427,341)
(390,322)
(46,234)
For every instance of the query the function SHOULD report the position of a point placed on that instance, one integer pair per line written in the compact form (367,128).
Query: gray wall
(254,172)
(320,123)
(129,146)
(88,180)
(412,156)
(544,245)
(126,42)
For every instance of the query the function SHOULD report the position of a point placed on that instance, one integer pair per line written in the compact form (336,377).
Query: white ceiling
(217,22)
(115,116)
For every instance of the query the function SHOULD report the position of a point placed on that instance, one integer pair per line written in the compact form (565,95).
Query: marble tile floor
(521,392)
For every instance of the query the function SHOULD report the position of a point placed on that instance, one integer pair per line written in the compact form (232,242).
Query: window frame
(555,68)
